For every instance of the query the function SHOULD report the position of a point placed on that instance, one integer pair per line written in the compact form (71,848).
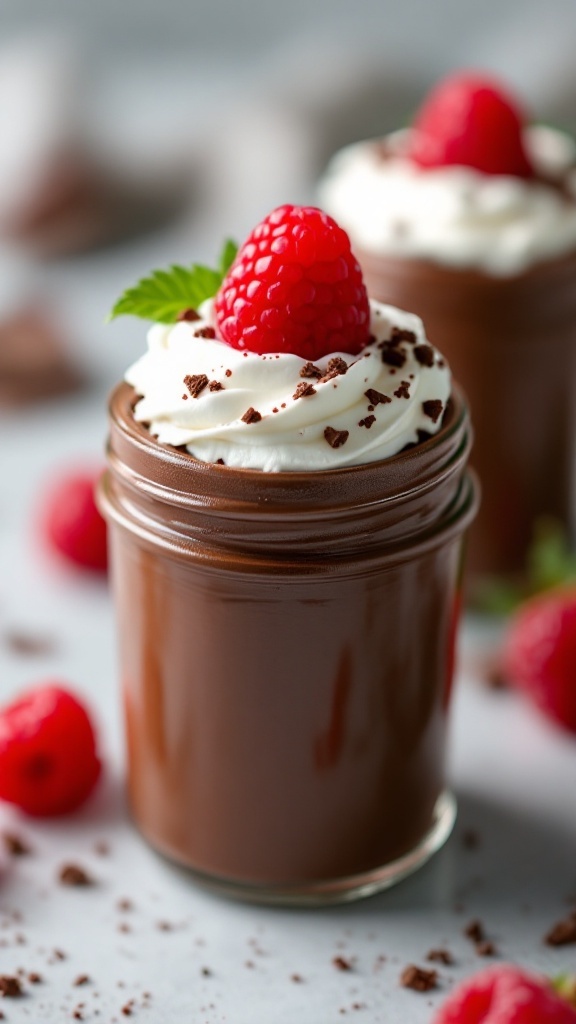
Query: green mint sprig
(164,294)
(550,563)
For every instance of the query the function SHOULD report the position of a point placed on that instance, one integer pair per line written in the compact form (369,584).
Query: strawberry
(48,759)
(295,287)
(72,524)
(539,654)
(470,121)
(505,995)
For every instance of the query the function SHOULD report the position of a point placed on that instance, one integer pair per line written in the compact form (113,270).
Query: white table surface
(514,775)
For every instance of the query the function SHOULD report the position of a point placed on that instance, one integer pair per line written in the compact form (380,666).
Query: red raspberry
(48,759)
(540,654)
(295,287)
(470,121)
(505,995)
(72,523)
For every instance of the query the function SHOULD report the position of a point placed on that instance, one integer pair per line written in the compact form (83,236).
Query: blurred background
(139,133)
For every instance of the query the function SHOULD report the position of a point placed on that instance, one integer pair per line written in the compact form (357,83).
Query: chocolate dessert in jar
(469,219)
(287,496)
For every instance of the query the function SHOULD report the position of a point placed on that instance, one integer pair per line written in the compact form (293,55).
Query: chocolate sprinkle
(403,391)
(433,408)
(376,397)
(424,355)
(336,438)
(215,385)
(74,875)
(10,986)
(304,390)
(188,314)
(195,383)
(393,356)
(310,370)
(251,416)
(418,979)
(205,332)
(563,933)
(367,422)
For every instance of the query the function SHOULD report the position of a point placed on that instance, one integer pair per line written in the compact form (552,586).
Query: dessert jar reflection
(511,342)
(286,654)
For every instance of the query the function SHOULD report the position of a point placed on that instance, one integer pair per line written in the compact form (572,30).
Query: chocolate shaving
(215,385)
(393,356)
(403,391)
(304,390)
(433,409)
(424,355)
(376,397)
(251,416)
(188,315)
(400,334)
(195,383)
(418,979)
(440,956)
(74,875)
(10,986)
(310,370)
(205,332)
(367,422)
(563,933)
(336,438)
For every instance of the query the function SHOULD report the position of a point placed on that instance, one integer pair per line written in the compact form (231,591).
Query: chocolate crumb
(165,926)
(82,979)
(10,986)
(310,370)
(470,839)
(341,964)
(440,956)
(296,978)
(228,373)
(125,905)
(367,422)
(424,355)
(74,875)
(34,978)
(251,416)
(77,1014)
(205,332)
(206,972)
(393,356)
(220,462)
(563,933)
(27,645)
(124,928)
(188,315)
(15,845)
(433,408)
(485,948)
(403,390)
(336,438)
(376,397)
(127,1008)
(475,930)
(57,954)
(337,365)
(102,848)
(400,334)
(184,398)
(423,435)
(195,382)
(494,678)
(215,385)
(304,390)
(418,979)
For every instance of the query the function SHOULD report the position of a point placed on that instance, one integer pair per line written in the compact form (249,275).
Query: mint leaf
(165,293)
(227,256)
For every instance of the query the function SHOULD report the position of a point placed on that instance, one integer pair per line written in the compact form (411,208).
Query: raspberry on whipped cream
(251,411)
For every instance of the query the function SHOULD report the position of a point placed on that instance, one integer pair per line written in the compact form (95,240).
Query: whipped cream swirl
(456,216)
(278,412)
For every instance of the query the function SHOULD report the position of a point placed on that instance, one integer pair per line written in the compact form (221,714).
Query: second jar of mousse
(286,547)
(475,230)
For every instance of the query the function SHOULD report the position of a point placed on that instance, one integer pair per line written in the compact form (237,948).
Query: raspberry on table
(72,523)
(470,121)
(539,654)
(296,287)
(48,759)
(505,995)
